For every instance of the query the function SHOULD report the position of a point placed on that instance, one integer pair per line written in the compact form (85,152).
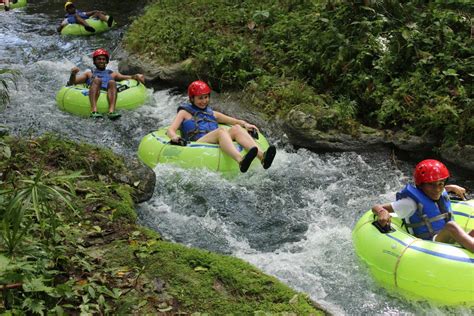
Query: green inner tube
(75,99)
(416,268)
(18,4)
(78,29)
(155,148)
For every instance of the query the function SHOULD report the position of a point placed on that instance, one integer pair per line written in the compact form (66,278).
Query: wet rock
(178,74)
(302,131)
(140,177)
(462,156)
(4,131)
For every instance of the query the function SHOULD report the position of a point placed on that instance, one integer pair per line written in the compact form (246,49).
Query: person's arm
(118,77)
(90,13)
(225,119)
(171,132)
(75,79)
(456,189)
(383,213)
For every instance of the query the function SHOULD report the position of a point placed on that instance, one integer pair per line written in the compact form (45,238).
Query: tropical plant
(8,77)
(387,64)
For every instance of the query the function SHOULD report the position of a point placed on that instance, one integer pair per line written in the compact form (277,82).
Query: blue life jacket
(430,216)
(203,122)
(105,75)
(71,18)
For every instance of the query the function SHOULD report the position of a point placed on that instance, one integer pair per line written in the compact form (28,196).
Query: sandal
(110,21)
(114,115)
(89,28)
(244,164)
(96,115)
(268,157)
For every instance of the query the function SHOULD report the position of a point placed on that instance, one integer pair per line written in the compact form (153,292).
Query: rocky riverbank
(301,128)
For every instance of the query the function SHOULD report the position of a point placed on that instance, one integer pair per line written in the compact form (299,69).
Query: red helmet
(101,52)
(430,170)
(198,88)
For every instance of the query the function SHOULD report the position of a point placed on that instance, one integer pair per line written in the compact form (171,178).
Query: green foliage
(406,66)
(8,77)
(207,282)
(69,246)
(42,236)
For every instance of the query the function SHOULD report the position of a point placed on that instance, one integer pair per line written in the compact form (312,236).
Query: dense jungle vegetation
(69,245)
(386,64)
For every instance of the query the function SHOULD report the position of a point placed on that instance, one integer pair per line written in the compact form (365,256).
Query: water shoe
(89,28)
(114,115)
(248,158)
(268,157)
(110,21)
(96,115)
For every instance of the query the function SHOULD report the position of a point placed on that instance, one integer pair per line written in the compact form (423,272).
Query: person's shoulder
(406,202)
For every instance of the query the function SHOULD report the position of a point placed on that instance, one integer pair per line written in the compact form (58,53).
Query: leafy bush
(42,258)
(396,65)
(8,78)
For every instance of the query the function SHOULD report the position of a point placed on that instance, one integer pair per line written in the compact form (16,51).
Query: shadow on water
(293,221)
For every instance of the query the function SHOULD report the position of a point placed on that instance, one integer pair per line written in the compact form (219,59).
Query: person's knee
(222,132)
(236,129)
(112,84)
(451,226)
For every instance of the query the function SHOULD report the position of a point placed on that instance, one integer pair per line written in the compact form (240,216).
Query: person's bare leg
(241,136)
(100,16)
(84,23)
(94,93)
(109,20)
(222,137)
(452,231)
(112,95)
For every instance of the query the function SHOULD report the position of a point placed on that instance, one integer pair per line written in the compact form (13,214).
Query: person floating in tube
(425,207)
(6,4)
(101,79)
(199,123)
(74,16)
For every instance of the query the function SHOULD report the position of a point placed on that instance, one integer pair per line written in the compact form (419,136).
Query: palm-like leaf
(7,77)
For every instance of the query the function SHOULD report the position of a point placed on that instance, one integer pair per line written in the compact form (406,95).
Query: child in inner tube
(74,16)
(199,123)
(101,78)
(425,207)
(6,4)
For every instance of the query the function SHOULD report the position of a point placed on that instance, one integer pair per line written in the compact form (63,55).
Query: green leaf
(406,34)
(199,268)
(6,152)
(450,72)
(34,305)
(4,263)
(91,291)
(59,310)
(36,285)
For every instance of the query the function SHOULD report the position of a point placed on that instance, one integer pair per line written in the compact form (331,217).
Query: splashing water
(293,221)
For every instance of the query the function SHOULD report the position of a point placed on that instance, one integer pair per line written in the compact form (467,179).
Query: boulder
(178,74)
(302,131)
(462,156)
(140,177)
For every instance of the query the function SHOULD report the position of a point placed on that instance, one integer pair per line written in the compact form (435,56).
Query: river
(293,221)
